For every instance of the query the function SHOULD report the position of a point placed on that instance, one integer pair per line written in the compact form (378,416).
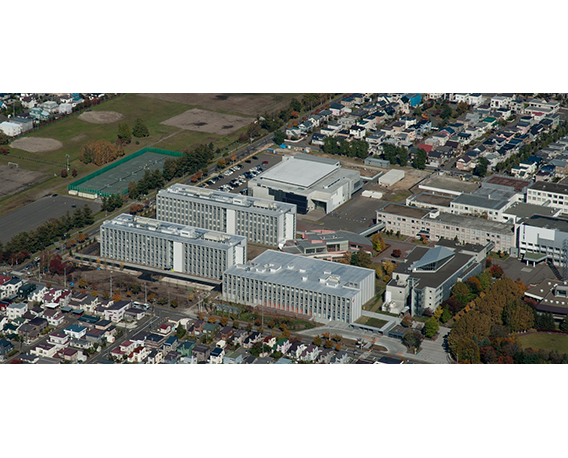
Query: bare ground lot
(100,117)
(31,216)
(399,191)
(245,104)
(13,180)
(36,144)
(207,121)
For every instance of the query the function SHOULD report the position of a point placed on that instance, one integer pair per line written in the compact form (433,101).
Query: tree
(317,341)
(481,167)
(420,159)
(124,134)
(446,111)
(564,324)
(99,152)
(396,253)
(412,339)
(140,130)
(431,327)
(361,258)
(221,164)
(116,297)
(328,344)
(378,242)
(88,218)
(4,139)
(64,173)
(74,173)
(82,283)
(279,137)
(133,192)
(180,331)
(407,321)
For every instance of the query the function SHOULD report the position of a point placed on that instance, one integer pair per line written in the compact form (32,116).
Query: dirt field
(412,176)
(37,144)
(207,121)
(14,180)
(245,104)
(101,117)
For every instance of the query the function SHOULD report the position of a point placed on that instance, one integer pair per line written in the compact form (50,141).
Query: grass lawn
(543,340)
(369,321)
(399,196)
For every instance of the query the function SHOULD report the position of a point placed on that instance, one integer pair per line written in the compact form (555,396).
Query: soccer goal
(13,165)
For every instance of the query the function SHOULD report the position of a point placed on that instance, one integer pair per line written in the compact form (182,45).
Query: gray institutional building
(169,246)
(259,220)
(308,286)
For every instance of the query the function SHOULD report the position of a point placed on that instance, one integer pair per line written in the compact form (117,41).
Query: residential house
(196,328)
(337,109)
(283,345)
(235,357)
(239,336)
(296,349)
(10,287)
(170,344)
(5,348)
(71,355)
(465,162)
(325,356)
(75,331)
(252,338)
(216,356)
(310,354)
(185,348)
(116,311)
(45,349)
(154,357)
(59,339)
(138,355)
(16,309)
(341,358)
(201,352)
(10,129)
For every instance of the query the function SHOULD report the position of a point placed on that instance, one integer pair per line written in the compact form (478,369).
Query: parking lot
(235,179)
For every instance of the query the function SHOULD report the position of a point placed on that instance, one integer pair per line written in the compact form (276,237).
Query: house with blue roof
(75,331)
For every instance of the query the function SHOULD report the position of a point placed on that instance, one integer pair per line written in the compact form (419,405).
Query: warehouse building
(391,177)
(169,246)
(259,220)
(303,285)
(309,182)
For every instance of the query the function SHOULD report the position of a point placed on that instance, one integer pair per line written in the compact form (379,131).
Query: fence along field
(114,178)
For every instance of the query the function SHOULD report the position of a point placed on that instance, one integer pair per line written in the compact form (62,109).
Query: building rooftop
(547,222)
(174,231)
(549,187)
(452,185)
(480,201)
(479,224)
(226,199)
(438,200)
(302,272)
(404,210)
(523,210)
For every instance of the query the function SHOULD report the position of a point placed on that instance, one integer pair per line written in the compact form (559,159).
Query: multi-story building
(544,193)
(170,246)
(259,220)
(543,237)
(434,225)
(308,286)
(426,277)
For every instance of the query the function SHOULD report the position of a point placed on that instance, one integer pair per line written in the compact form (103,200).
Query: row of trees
(151,180)
(22,245)
(396,155)
(354,148)
(139,130)
(100,152)
(111,203)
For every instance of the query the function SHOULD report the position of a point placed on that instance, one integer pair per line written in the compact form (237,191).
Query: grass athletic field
(46,149)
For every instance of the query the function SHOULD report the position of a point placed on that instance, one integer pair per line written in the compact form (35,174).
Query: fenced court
(114,178)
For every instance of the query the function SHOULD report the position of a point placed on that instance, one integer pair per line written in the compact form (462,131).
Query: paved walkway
(432,351)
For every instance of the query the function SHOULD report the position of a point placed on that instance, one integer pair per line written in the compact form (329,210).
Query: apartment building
(303,285)
(170,246)
(259,220)
(545,236)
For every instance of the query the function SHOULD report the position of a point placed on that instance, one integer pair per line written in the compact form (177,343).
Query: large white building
(543,237)
(308,286)
(259,220)
(169,246)
(548,194)
(309,182)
